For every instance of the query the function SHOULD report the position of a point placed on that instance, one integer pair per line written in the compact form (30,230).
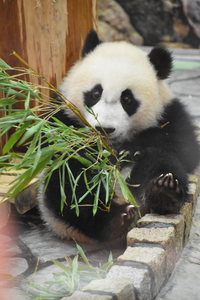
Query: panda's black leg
(165,194)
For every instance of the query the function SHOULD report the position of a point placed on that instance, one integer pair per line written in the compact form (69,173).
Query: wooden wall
(47,34)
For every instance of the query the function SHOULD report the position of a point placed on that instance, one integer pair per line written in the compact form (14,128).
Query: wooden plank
(24,201)
(6,184)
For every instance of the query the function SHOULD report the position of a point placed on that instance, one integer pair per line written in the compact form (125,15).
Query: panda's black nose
(108,130)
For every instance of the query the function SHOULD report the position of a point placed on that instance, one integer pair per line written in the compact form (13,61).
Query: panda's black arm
(173,137)
(164,155)
(180,135)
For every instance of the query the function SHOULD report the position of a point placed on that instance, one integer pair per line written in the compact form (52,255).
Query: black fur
(92,97)
(171,147)
(161,59)
(91,42)
(129,103)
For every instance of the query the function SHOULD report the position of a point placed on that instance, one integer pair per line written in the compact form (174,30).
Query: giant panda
(126,89)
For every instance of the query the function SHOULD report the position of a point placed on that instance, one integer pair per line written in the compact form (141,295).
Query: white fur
(117,66)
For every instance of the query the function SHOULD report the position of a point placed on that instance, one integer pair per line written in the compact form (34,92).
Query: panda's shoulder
(175,112)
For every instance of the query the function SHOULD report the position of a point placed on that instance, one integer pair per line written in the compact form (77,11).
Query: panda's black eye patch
(93,96)
(128,102)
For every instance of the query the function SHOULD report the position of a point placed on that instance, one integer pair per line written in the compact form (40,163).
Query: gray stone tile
(140,277)
(45,245)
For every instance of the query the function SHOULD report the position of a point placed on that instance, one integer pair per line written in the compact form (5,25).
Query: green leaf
(75,265)
(30,131)
(125,190)
(23,180)
(106,153)
(27,101)
(61,265)
(69,261)
(96,199)
(11,91)
(83,254)
(4,65)
(15,137)
(7,101)
(106,186)
(83,160)
(72,181)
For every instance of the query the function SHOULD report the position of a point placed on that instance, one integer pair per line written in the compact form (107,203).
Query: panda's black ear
(161,59)
(91,41)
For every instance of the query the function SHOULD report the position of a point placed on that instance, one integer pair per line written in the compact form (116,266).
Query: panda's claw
(178,190)
(129,214)
(160,180)
(168,181)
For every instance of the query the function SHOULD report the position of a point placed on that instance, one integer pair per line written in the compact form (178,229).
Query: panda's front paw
(165,195)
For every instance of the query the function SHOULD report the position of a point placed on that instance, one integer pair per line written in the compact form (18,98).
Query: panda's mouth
(110,133)
(105,130)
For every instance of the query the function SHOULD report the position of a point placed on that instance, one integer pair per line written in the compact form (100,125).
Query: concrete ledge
(153,248)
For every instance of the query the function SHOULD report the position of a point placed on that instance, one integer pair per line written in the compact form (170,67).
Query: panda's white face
(119,83)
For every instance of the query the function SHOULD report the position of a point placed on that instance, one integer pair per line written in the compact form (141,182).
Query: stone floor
(28,244)
(25,244)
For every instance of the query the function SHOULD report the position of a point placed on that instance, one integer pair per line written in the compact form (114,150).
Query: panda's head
(123,86)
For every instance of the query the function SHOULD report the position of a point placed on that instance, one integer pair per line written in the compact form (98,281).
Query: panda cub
(125,87)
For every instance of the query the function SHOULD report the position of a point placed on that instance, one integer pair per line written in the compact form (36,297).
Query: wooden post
(47,34)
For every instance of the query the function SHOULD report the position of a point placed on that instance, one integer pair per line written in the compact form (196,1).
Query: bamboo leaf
(13,92)
(30,131)
(75,265)
(125,190)
(61,265)
(69,261)
(83,160)
(23,179)
(15,137)
(83,254)
(4,65)
(7,101)
(27,101)
(96,199)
